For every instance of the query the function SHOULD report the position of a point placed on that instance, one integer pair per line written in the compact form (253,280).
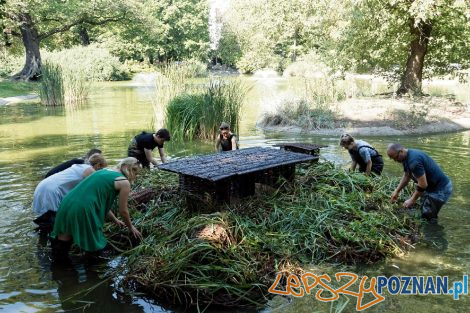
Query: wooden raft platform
(307,148)
(218,178)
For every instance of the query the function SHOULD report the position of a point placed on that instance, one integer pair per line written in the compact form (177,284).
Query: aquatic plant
(198,113)
(51,88)
(231,257)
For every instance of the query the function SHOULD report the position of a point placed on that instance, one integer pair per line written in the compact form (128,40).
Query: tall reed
(198,113)
(51,88)
(61,85)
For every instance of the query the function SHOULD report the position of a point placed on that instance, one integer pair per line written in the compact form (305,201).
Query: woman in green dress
(81,215)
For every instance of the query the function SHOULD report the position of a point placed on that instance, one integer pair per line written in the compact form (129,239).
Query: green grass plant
(62,85)
(198,113)
(11,88)
(231,257)
(52,91)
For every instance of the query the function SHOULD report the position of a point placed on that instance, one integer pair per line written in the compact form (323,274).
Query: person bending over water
(69,163)
(50,191)
(432,185)
(81,215)
(362,154)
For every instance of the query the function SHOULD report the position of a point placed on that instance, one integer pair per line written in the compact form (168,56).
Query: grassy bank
(231,257)
(9,88)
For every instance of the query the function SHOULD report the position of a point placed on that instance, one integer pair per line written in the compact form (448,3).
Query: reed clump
(51,88)
(196,114)
(230,258)
(61,85)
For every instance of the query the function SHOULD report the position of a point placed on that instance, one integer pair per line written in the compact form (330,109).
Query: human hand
(409,203)
(135,232)
(394,197)
(120,223)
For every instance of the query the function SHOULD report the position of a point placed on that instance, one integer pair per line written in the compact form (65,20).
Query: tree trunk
(83,33)
(413,76)
(29,34)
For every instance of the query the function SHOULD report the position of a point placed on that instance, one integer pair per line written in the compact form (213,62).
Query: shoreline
(380,116)
(443,126)
(16,99)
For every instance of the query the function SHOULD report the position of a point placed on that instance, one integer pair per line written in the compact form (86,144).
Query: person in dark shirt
(69,163)
(141,147)
(362,154)
(226,141)
(433,186)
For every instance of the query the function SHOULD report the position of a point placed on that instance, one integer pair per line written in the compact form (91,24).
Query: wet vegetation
(231,257)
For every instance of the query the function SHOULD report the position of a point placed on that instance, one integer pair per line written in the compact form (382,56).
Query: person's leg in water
(45,222)
(60,248)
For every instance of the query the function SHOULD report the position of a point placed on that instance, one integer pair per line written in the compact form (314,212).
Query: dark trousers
(377,165)
(46,221)
(141,158)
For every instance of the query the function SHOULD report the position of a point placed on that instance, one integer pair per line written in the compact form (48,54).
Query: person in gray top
(362,154)
(432,185)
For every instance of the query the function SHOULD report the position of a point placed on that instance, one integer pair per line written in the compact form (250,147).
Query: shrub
(10,64)
(301,113)
(96,63)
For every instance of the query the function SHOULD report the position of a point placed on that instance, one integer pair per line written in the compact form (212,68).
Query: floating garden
(231,257)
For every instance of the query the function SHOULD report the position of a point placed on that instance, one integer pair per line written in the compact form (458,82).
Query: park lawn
(10,88)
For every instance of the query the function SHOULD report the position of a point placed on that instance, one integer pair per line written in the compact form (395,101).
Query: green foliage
(301,113)
(9,63)
(162,31)
(198,114)
(267,33)
(52,91)
(92,61)
(410,119)
(231,257)
(377,35)
(229,49)
(63,83)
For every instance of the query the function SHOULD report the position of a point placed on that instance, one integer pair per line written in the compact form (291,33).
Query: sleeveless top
(226,144)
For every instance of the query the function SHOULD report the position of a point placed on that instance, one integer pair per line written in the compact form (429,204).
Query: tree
(411,38)
(269,33)
(162,30)
(36,20)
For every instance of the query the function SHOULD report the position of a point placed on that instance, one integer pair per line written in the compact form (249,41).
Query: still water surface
(34,138)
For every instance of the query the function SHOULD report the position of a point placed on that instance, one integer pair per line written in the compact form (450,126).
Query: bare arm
(422,183)
(369,167)
(234,143)
(403,182)
(114,219)
(149,156)
(217,144)
(161,151)
(124,188)
(353,166)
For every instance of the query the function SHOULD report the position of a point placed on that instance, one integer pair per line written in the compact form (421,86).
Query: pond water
(34,138)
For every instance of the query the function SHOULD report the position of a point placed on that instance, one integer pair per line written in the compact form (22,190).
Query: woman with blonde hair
(82,213)
(362,154)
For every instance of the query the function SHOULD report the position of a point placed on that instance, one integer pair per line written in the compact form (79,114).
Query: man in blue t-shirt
(433,186)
